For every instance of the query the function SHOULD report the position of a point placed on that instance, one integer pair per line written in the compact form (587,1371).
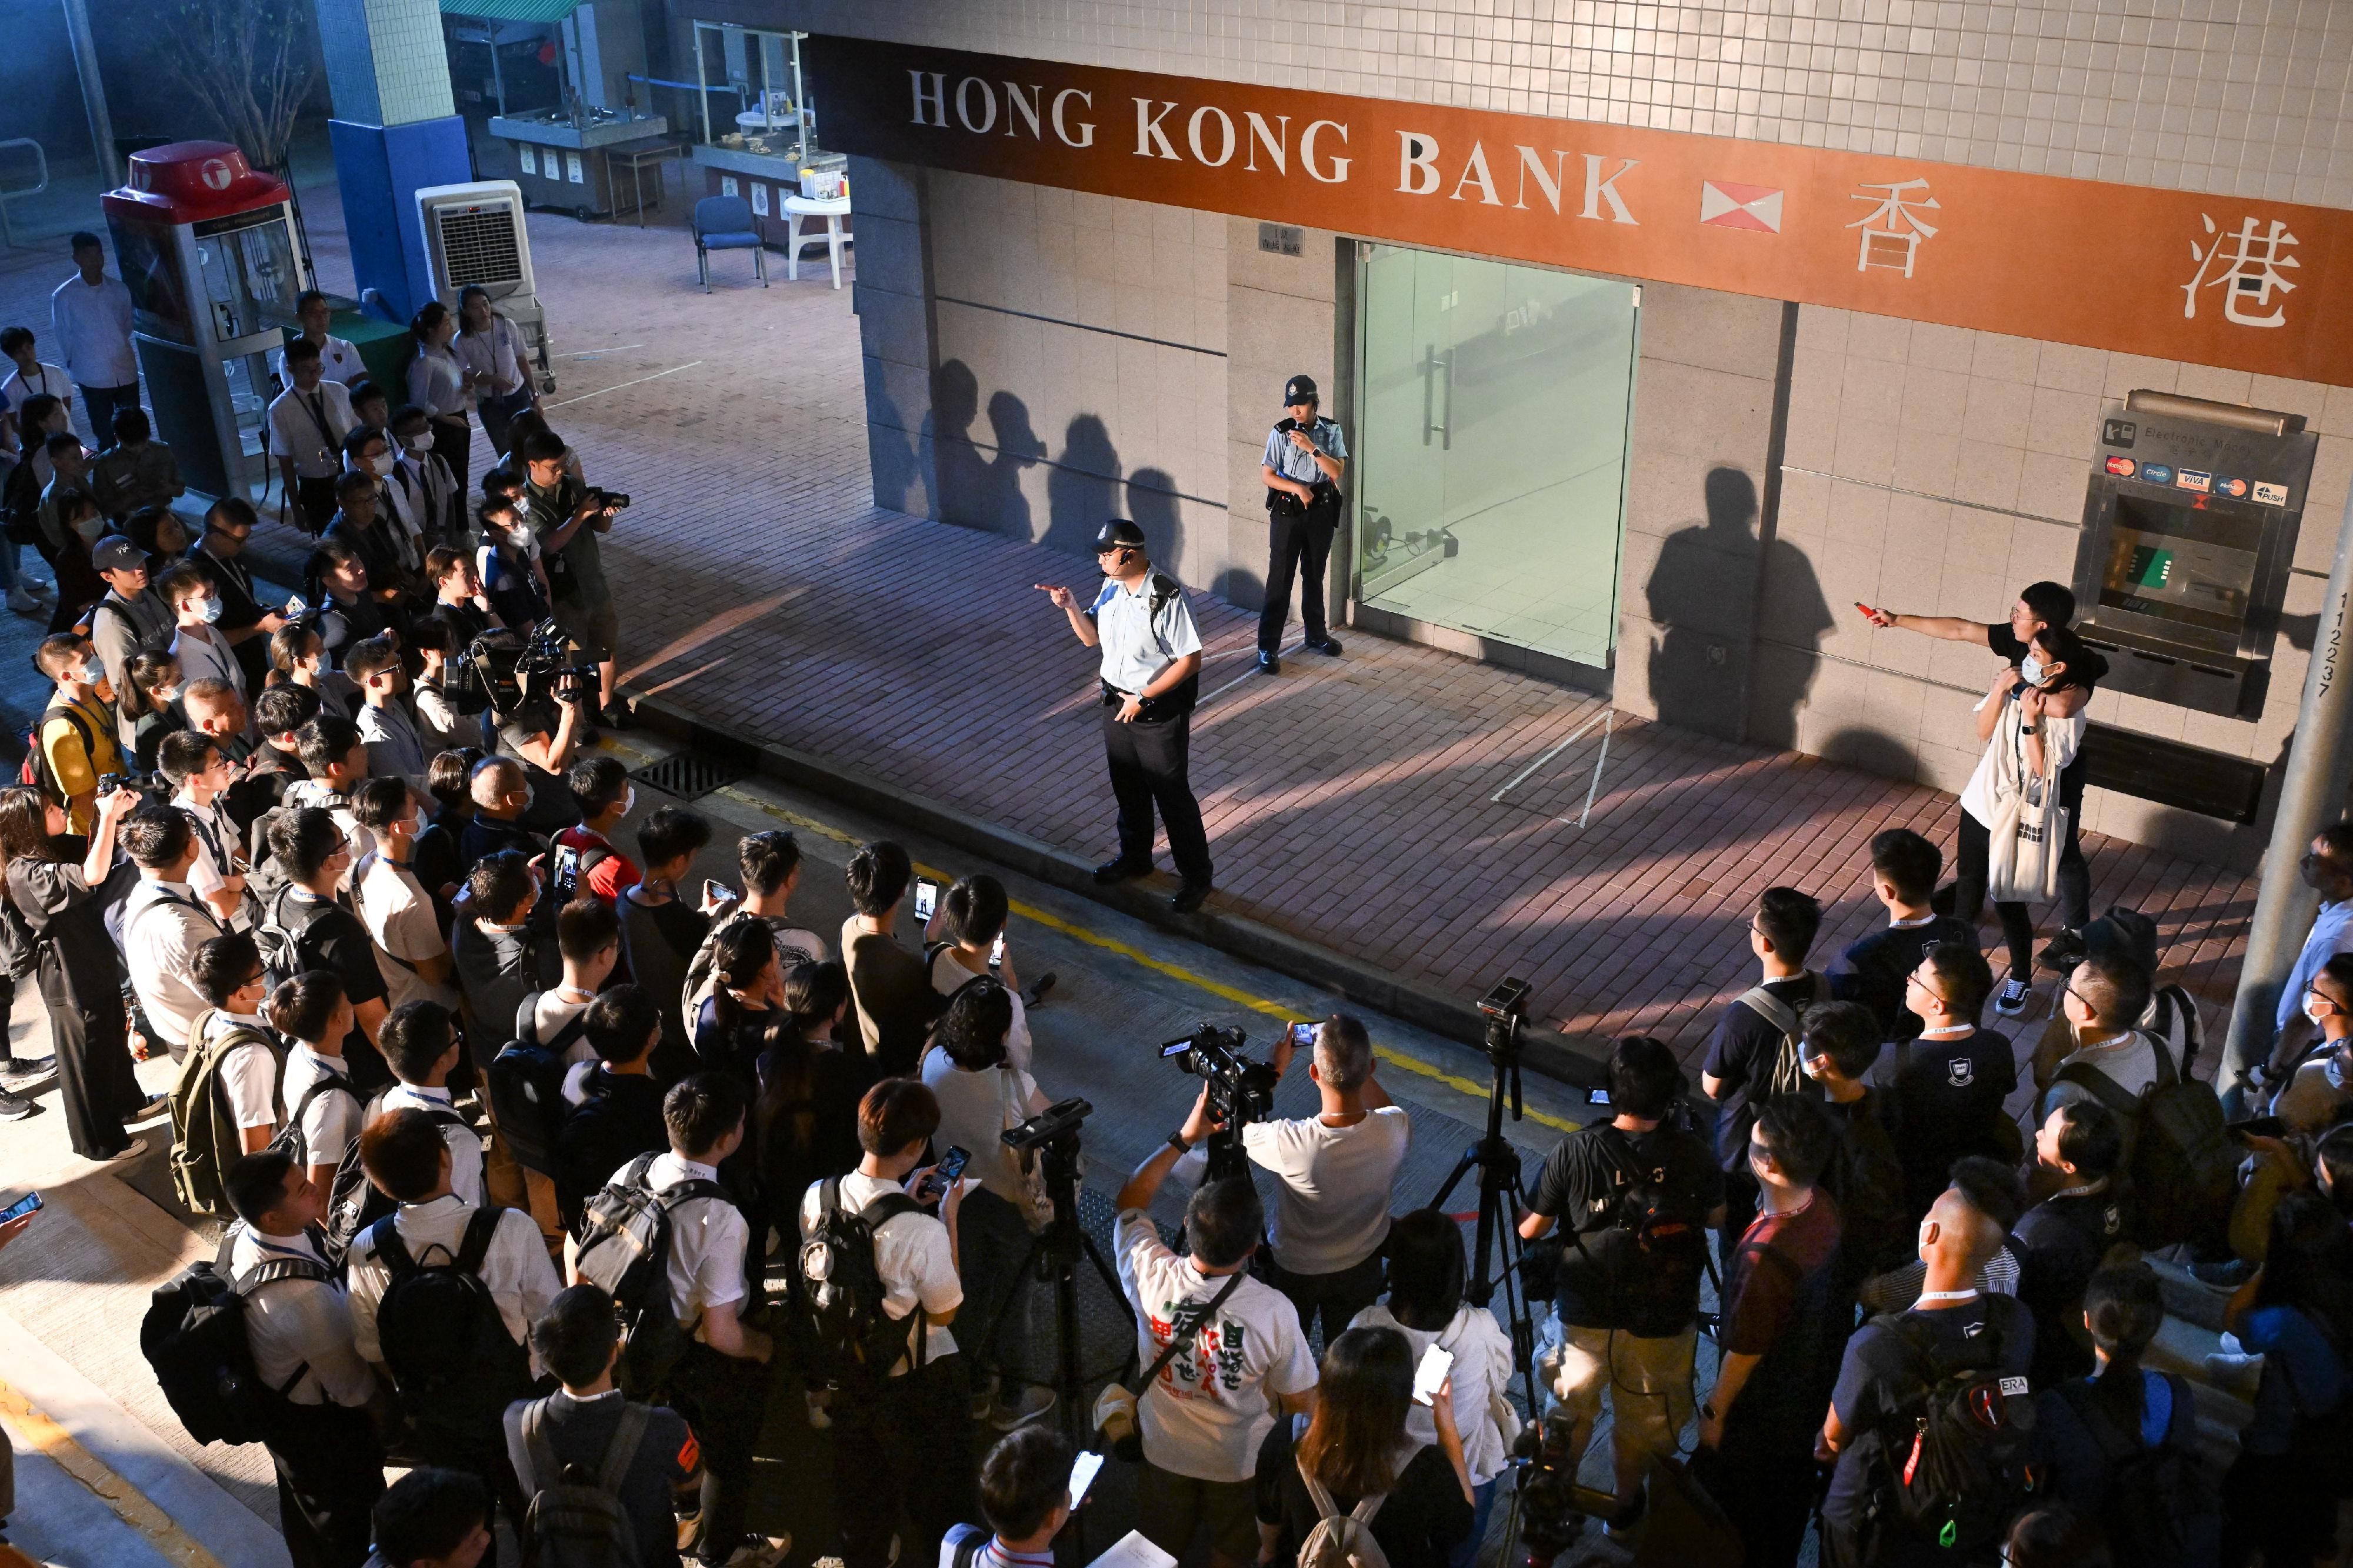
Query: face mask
(89,528)
(380,466)
(629,800)
(209,611)
(2314,1005)
(1810,1070)
(2030,669)
(168,696)
(420,445)
(2334,1067)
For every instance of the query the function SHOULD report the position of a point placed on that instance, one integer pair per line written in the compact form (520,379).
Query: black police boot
(1327,645)
(1121,869)
(1267,663)
(1189,897)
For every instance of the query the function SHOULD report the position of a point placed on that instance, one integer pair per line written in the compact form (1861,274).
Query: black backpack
(455,1368)
(576,1518)
(36,769)
(847,1330)
(279,936)
(525,1084)
(1954,1465)
(2162,1509)
(193,1339)
(2183,1165)
(598,1138)
(625,1241)
(1652,1235)
(354,1203)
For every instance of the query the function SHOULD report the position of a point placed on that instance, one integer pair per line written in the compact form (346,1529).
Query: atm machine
(207,249)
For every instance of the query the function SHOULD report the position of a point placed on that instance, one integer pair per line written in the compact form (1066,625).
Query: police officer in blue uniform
(1151,677)
(1306,456)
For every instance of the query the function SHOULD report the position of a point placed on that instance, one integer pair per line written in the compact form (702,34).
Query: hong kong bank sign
(2253,285)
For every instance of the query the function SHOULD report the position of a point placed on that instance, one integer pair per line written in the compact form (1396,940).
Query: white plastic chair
(832,211)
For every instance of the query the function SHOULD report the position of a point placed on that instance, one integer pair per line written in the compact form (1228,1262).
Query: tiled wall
(2246,96)
(1934,470)
(385,60)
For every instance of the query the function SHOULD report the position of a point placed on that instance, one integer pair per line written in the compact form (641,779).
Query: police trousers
(1300,543)
(1149,760)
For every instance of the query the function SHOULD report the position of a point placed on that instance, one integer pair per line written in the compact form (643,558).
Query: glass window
(751,87)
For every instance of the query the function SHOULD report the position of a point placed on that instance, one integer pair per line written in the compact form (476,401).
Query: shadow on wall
(1152,505)
(1084,487)
(1700,597)
(891,457)
(981,488)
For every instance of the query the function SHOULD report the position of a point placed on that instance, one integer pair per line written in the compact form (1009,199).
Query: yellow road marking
(129,1504)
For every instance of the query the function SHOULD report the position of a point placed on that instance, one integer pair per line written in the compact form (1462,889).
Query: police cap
(1118,533)
(1299,389)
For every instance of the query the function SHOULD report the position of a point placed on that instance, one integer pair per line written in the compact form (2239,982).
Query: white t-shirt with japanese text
(1211,1406)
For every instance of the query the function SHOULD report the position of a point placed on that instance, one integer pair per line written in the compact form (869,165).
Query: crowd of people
(559,1180)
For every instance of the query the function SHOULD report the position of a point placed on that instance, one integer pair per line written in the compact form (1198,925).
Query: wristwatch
(1707,1411)
(1177,1141)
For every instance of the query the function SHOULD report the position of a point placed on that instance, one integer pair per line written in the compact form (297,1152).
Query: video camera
(502,666)
(1057,1124)
(1240,1090)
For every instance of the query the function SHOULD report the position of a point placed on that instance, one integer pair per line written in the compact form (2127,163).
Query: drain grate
(690,776)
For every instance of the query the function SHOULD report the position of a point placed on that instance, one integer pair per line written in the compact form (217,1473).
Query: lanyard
(1969,1294)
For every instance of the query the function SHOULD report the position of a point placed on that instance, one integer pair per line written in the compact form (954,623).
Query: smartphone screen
(29,1203)
(1303,1036)
(997,953)
(717,892)
(1596,1096)
(1430,1376)
(927,899)
(951,1165)
(1082,1475)
(568,866)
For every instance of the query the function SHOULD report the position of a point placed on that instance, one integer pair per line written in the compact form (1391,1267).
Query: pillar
(395,131)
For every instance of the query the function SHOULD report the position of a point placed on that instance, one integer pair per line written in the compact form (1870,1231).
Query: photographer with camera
(565,517)
(1639,1195)
(1234,1355)
(1151,677)
(1306,456)
(1338,1170)
(542,731)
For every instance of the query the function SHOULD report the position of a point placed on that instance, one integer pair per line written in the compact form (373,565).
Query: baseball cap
(115,552)
(1118,533)
(1299,389)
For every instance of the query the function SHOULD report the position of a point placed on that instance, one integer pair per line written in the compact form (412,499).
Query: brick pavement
(1348,802)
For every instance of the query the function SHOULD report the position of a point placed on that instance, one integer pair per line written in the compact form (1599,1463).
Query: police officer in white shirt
(1306,456)
(163,924)
(909,1439)
(1204,1416)
(1338,1169)
(337,358)
(201,773)
(298,1324)
(721,1385)
(324,1111)
(307,424)
(1151,675)
(90,316)
(422,1050)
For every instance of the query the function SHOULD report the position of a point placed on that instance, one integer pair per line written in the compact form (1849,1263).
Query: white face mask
(1810,1070)
(380,466)
(89,528)
(2313,1006)
(166,696)
(2030,669)
(209,611)
(420,445)
(629,800)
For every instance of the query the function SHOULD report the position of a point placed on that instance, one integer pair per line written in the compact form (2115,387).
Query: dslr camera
(155,786)
(1240,1090)
(608,500)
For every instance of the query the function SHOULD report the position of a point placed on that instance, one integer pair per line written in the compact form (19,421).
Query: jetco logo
(1722,204)
(1207,135)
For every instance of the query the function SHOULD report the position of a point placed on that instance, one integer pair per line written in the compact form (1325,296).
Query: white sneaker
(761,1551)
(1032,1403)
(23,603)
(819,1417)
(2012,998)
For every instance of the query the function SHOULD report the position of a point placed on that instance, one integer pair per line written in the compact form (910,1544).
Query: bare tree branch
(248,65)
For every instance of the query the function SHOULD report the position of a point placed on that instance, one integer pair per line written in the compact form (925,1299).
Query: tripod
(1501,1195)
(1053,1256)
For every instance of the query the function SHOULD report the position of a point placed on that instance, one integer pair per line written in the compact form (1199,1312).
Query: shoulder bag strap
(1185,1335)
(539,1459)
(481,1230)
(622,1451)
(1317,1493)
(2103,1087)
(390,1251)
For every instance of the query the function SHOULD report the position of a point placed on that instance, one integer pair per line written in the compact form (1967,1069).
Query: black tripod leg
(1454,1177)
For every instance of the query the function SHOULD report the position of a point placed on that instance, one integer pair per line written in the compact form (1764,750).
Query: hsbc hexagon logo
(215,173)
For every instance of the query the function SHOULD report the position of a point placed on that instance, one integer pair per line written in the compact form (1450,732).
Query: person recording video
(541,728)
(1338,1169)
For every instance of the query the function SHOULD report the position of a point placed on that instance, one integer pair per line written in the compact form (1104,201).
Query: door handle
(1434,365)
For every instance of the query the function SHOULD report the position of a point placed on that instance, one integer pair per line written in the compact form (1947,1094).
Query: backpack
(290,1141)
(2162,1510)
(2181,1162)
(455,1368)
(206,1139)
(842,1292)
(1954,1463)
(279,935)
(35,770)
(1659,1239)
(354,1203)
(1342,1539)
(623,1248)
(193,1339)
(576,1518)
(1788,1073)
(2173,1023)
(525,1083)
(598,1138)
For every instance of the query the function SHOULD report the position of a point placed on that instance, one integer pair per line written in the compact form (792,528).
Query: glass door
(1494,407)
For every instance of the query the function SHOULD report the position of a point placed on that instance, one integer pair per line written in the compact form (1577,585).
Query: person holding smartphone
(971,922)
(1306,457)
(1027,1494)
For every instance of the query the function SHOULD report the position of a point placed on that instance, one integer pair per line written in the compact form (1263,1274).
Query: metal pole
(93,92)
(2312,795)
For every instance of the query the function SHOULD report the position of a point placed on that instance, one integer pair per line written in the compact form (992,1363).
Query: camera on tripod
(1506,1009)
(1052,1128)
(1240,1090)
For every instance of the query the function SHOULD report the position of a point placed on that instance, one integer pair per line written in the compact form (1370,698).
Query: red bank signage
(2253,285)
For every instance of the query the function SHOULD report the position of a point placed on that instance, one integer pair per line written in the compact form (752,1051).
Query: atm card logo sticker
(1724,204)
(2226,486)
(2191,479)
(2123,467)
(2118,432)
(2157,473)
(2271,494)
